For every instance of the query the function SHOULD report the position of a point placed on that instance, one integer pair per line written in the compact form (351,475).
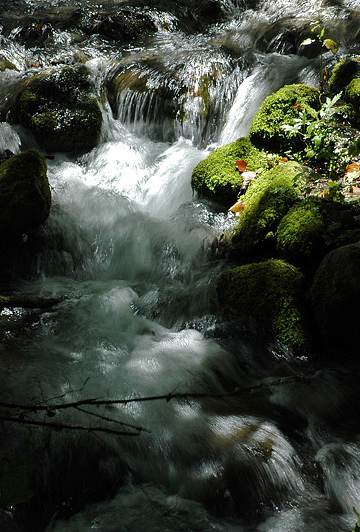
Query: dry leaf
(297,106)
(241,165)
(353,167)
(283,160)
(238,206)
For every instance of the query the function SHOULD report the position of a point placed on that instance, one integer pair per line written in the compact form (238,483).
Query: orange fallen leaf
(353,167)
(238,206)
(283,160)
(297,106)
(241,165)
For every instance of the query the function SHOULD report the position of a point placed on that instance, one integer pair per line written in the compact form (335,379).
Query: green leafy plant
(330,44)
(320,133)
(357,524)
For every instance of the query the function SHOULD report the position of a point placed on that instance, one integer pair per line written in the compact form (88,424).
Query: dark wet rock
(25,196)
(60,110)
(335,297)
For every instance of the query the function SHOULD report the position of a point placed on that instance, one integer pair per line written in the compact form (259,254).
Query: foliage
(324,143)
(325,43)
(357,524)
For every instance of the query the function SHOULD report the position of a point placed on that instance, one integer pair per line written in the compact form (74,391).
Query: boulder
(278,109)
(343,73)
(217,178)
(25,196)
(267,200)
(300,234)
(60,110)
(270,292)
(335,295)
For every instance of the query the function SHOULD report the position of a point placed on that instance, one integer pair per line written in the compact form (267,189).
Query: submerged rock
(25,196)
(60,110)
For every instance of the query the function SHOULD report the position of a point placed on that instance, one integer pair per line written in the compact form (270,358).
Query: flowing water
(135,272)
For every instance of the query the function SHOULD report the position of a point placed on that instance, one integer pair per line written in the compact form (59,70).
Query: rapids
(135,272)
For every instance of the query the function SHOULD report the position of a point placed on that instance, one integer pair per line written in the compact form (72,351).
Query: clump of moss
(343,73)
(352,97)
(300,234)
(60,110)
(267,200)
(217,178)
(270,292)
(25,196)
(278,109)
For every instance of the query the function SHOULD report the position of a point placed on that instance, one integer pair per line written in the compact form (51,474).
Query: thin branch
(68,426)
(51,408)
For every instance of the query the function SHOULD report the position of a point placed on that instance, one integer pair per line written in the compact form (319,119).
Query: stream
(137,319)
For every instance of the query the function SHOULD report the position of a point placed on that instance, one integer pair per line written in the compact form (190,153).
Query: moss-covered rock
(217,178)
(267,200)
(270,292)
(335,295)
(300,234)
(60,110)
(25,196)
(278,109)
(352,97)
(343,73)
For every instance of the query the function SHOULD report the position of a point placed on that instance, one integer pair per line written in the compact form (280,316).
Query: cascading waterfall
(130,253)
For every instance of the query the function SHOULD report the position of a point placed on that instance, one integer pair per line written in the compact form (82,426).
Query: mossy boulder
(25,196)
(267,200)
(61,110)
(343,73)
(352,97)
(217,178)
(335,295)
(270,292)
(300,234)
(278,109)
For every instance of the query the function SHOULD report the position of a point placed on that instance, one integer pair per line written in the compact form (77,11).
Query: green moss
(278,109)
(352,96)
(270,292)
(217,178)
(25,196)
(343,73)
(267,200)
(60,110)
(6,64)
(300,234)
